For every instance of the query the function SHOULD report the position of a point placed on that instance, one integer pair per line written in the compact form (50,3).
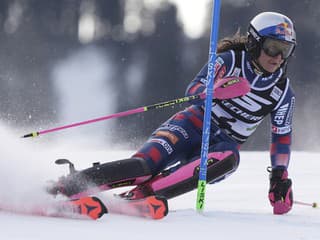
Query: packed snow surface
(236,208)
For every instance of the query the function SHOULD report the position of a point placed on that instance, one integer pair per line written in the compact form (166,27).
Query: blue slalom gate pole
(201,192)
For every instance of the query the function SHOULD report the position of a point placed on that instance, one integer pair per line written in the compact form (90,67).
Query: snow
(236,208)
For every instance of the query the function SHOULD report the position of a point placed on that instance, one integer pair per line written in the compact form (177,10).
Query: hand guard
(280,192)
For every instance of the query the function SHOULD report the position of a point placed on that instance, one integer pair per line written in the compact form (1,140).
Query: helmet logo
(285,29)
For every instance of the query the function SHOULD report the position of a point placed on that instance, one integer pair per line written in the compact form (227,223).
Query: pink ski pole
(225,88)
(120,114)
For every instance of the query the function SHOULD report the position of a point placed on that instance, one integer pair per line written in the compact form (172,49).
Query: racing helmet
(274,33)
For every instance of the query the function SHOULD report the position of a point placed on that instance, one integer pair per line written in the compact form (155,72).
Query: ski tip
(92,207)
(103,208)
(159,207)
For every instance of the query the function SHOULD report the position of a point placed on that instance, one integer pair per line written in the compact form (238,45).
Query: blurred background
(65,61)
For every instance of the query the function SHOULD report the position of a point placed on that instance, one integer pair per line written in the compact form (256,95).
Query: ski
(154,207)
(82,208)
(91,207)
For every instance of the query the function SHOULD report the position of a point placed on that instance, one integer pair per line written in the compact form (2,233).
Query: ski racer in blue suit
(168,163)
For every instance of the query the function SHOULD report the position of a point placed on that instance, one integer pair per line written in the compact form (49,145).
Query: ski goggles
(273,48)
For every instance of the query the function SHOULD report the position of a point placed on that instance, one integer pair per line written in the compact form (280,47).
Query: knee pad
(222,169)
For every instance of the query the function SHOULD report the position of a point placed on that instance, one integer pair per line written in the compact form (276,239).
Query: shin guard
(185,179)
(101,177)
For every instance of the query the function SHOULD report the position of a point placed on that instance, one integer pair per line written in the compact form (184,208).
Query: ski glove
(280,192)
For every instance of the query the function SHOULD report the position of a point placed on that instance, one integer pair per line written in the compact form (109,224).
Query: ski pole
(120,114)
(202,180)
(314,204)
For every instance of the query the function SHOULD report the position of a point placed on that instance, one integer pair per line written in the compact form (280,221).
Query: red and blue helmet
(273,32)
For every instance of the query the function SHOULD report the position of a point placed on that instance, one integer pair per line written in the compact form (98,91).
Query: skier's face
(270,64)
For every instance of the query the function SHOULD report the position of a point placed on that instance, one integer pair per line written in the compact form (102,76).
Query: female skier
(168,163)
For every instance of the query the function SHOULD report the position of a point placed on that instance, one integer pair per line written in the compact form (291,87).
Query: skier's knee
(222,168)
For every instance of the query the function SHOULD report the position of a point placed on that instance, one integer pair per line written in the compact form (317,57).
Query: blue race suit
(233,120)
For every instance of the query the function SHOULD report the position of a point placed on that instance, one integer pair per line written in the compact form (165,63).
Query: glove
(280,192)
(231,87)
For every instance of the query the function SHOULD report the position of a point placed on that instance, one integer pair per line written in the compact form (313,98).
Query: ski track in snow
(236,208)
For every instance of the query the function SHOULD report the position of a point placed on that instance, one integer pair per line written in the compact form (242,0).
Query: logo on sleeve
(281,130)
(219,62)
(276,93)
